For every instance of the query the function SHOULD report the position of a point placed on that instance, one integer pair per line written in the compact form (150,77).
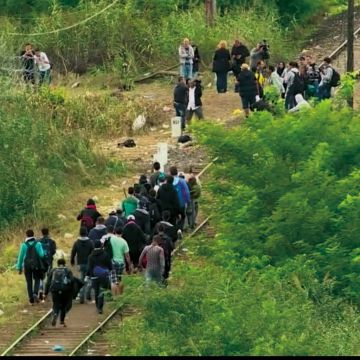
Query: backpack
(100,272)
(129,143)
(298,85)
(61,281)
(335,79)
(107,247)
(154,213)
(32,259)
(46,248)
(87,221)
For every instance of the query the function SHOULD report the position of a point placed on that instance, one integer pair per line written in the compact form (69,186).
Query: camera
(265,47)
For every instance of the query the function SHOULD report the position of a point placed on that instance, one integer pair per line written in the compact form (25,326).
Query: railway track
(85,331)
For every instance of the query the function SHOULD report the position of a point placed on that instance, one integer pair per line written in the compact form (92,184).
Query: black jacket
(82,248)
(240,50)
(98,257)
(142,218)
(198,93)
(52,248)
(89,211)
(221,61)
(117,220)
(169,230)
(181,94)
(196,60)
(168,199)
(247,83)
(134,237)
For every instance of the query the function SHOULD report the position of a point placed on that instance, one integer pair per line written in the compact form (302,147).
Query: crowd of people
(296,82)
(139,236)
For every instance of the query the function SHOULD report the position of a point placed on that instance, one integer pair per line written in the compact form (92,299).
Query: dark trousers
(221,82)
(85,291)
(324,92)
(181,222)
(61,304)
(167,266)
(100,285)
(180,110)
(32,283)
(198,112)
(289,101)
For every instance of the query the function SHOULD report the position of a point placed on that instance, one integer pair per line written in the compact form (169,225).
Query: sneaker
(100,311)
(179,234)
(36,299)
(53,322)
(63,324)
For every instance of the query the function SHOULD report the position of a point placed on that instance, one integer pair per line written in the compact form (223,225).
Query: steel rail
(26,333)
(96,330)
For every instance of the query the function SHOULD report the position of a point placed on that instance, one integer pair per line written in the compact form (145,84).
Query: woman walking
(221,66)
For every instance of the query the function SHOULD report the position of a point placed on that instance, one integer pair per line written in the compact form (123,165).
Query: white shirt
(191,104)
(42,61)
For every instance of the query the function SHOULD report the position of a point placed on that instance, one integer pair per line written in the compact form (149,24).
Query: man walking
(30,260)
(181,95)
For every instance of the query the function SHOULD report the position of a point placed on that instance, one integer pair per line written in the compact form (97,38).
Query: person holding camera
(260,52)
(186,54)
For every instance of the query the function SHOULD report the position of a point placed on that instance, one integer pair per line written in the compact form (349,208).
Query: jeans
(45,77)
(85,291)
(289,101)
(180,110)
(192,212)
(61,304)
(100,285)
(198,112)
(221,82)
(324,92)
(186,71)
(32,283)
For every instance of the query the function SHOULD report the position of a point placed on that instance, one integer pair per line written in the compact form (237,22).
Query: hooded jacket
(182,190)
(90,210)
(168,199)
(290,78)
(82,248)
(97,232)
(142,218)
(301,104)
(98,257)
(23,251)
(134,237)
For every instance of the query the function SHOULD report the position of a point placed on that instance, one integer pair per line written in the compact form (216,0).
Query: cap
(131,217)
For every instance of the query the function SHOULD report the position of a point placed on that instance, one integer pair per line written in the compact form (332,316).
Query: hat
(131,217)
(245,66)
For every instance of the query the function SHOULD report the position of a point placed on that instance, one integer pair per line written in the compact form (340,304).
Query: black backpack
(32,259)
(61,280)
(154,213)
(129,143)
(46,246)
(107,247)
(335,79)
(298,85)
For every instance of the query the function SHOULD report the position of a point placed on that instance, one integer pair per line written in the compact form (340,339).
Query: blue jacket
(182,191)
(23,251)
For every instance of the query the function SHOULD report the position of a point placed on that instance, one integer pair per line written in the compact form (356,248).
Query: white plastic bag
(139,123)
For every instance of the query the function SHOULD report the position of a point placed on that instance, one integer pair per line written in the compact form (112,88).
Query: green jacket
(129,205)
(23,251)
(195,191)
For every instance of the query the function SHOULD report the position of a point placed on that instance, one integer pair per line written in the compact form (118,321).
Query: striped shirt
(155,258)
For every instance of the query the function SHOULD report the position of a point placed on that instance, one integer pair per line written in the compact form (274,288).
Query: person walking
(181,99)
(81,251)
(183,192)
(135,239)
(248,88)
(168,246)
(99,267)
(49,248)
(196,61)
(155,265)
(121,257)
(89,215)
(186,54)
(43,63)
(195,103)
(59,283)
(30,260)
(168,199)
(193,209)
(221,66)
(239,53)
(130,204)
